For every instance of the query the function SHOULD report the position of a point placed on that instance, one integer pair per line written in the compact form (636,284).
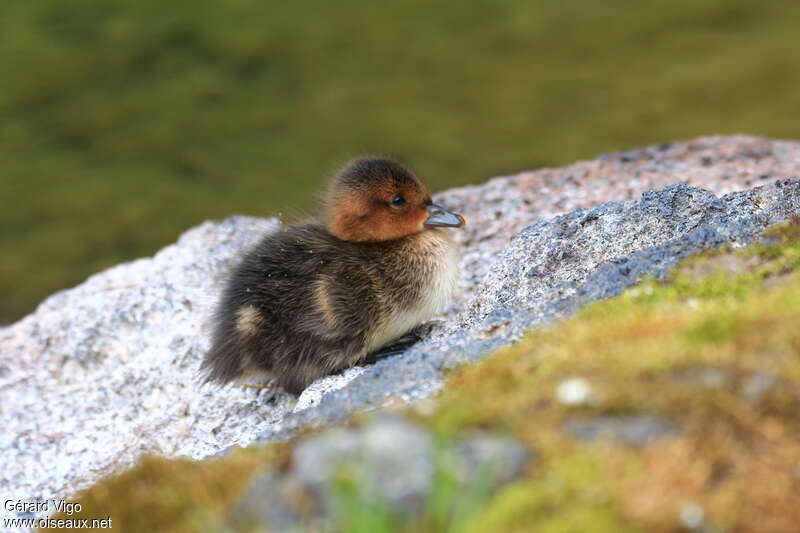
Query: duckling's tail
(222,364)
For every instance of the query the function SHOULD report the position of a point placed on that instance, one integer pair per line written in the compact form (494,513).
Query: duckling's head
(374,199)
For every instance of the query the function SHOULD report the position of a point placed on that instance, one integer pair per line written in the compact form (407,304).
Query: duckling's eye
(398,201)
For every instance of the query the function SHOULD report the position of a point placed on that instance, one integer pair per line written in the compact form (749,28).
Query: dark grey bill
(439,216)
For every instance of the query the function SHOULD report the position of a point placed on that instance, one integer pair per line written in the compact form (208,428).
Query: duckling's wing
(290,310)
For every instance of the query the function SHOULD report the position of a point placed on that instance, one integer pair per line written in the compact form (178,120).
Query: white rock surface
(106,371)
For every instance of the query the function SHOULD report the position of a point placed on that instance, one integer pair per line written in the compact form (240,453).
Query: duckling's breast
(421,278)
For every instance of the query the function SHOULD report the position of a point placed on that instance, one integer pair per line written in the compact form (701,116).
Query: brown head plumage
(375,199)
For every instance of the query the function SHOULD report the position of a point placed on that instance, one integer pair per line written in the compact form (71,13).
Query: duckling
(313,299)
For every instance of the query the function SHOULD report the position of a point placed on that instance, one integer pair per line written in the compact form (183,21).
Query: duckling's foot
(267,393)
(261,387)
(403,343)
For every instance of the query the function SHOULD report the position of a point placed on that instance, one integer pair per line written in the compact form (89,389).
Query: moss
(728,314)
(555,502)
(175,495)
(733,312)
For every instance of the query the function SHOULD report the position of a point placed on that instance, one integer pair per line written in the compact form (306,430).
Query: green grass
(124,123)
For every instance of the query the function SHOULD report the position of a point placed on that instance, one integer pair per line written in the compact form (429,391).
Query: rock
(316,459)
(504,206)
(693,518)
(707,377)
(635,430)
(396,463)
(269,504)
(107,371)
(752,388)
(393,464)
(757,385)
(575,392)
(498,457)
(391,459)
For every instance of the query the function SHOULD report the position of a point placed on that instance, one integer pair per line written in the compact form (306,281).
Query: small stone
(574,392)
(391,459)
(265,504)
(691,516)
(707,377)
(502,457)
(396,462)
(757,385)
(635,430)
(317,458)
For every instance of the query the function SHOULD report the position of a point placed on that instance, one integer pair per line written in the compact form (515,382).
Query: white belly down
(435,296)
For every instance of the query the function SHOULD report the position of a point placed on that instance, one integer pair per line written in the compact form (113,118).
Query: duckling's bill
(438,216)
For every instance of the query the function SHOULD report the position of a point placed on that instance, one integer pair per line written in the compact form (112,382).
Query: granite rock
(634,430)
(107,371)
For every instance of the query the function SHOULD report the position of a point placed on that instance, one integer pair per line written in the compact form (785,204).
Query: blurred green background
(123,123)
